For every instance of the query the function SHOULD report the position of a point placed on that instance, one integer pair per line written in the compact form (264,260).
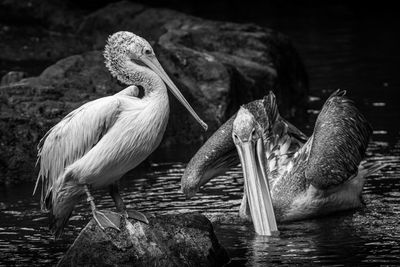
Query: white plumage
(94,145)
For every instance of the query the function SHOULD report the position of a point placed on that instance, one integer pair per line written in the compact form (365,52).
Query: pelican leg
(105,219)
(119,203)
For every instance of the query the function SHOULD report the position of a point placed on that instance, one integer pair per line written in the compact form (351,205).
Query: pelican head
(128,56)
(219,154)
(248,130)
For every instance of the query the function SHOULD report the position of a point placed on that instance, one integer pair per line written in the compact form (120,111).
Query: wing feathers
(340,138)
(282,143)
(271,107)
(72,138)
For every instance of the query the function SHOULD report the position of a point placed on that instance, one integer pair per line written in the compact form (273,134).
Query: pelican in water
(96,144)
(288,176)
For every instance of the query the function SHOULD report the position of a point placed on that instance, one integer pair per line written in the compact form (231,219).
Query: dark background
(253,11)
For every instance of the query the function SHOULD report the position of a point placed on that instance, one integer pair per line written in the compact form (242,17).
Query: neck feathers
(127,72)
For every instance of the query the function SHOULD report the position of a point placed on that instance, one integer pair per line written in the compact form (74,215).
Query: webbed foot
(136,215)
(107,219)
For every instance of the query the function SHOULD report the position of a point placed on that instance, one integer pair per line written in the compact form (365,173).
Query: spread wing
(281,144)
(338,143)
(281,139)
(72,138)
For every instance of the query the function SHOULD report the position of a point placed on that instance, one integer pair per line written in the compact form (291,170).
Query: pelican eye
(147,51)
(235,138)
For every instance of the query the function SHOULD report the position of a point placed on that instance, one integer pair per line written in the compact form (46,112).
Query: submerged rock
(217,65)
(169,240)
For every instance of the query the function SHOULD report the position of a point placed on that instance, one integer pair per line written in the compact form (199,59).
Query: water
(370,235)
(354,53)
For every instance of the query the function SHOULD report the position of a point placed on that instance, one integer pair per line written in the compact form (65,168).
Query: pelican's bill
(153,64)
(252,157)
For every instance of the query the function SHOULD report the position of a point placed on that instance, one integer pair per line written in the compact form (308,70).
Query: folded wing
(72,138)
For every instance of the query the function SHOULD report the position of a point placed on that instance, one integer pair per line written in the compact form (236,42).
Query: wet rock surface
(217,65)
(12,77)
(169,240)
(218,218)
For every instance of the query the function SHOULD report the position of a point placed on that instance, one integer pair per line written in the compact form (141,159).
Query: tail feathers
(61,204)
(46,202)
(57,225)
(38,180)
(45,195)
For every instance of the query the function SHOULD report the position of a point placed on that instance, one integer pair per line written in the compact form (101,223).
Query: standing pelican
(306,177)
(96,144)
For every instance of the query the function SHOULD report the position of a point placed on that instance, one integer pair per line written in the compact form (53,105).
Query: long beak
(256,186)
(153,64)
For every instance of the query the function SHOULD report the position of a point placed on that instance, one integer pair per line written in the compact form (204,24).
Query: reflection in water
(338,53)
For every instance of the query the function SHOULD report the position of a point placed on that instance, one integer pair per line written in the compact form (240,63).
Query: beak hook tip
(204,125)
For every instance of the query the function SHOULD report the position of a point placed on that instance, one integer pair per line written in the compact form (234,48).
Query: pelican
(96,144)
(288,176)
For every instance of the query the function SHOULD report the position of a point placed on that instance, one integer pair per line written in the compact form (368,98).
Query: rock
(30,107)
(233,218)
(217,65)
(115,17)
(12,77)
(169,240)
(221,66)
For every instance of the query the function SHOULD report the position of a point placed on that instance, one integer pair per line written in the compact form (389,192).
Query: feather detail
(69,140)
(119,48)
(368,168)
(271,108)
(281,145)
(102,140)
(340,138)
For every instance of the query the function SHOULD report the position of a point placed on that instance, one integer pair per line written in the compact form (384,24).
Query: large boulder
(217,65)
(169,240)
(31,106)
